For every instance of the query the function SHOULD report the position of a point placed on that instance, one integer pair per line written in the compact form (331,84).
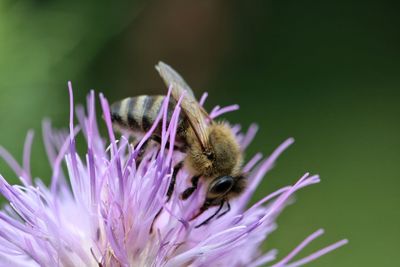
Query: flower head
(109,209)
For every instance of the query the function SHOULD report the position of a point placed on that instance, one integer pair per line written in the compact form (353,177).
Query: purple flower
(99,209)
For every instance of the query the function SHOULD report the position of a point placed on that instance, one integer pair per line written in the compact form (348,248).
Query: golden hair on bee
(223,155)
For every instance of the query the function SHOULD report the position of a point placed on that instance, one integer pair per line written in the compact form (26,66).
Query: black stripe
(160,104)
(171,107)
(147,121)
(182,122)
(115,112)
(132,123)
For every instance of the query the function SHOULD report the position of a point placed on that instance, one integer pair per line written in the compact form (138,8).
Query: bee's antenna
(203,208)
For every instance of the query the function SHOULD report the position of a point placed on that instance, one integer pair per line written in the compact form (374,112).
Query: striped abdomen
(137,114)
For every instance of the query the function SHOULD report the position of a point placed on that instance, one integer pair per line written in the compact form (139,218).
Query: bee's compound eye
(221,185)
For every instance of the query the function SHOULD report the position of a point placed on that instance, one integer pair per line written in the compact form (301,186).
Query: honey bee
(212,152)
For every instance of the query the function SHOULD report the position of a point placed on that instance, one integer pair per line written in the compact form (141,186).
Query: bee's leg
(141,152)
(189,191)
(212,216)
(203,208)
(226,211)
(173,180)
(156,138)
(170,190)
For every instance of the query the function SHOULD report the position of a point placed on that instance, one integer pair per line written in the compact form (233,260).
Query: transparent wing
(196,115)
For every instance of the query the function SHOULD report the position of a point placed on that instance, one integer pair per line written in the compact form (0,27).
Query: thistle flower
(99,209)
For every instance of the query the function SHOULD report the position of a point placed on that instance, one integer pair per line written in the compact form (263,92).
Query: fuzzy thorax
(223,157)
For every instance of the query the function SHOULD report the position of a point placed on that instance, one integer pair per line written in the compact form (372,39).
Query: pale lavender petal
(262,260)
(300,247)
(108,209)
(26,157)
(249,165)
(11,162)
(256,178)
(219,111)
(318,254)
(251,133)
(203,99)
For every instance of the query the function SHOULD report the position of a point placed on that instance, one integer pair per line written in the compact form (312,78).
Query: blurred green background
(324,72)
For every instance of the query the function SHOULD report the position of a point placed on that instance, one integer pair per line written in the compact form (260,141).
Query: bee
(212,152)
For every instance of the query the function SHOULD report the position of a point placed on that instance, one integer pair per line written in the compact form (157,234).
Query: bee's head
(225,187)
(220,191)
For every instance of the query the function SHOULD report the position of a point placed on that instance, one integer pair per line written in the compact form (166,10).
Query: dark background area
(326,73)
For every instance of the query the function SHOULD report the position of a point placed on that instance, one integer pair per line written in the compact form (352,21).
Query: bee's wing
(195,114)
